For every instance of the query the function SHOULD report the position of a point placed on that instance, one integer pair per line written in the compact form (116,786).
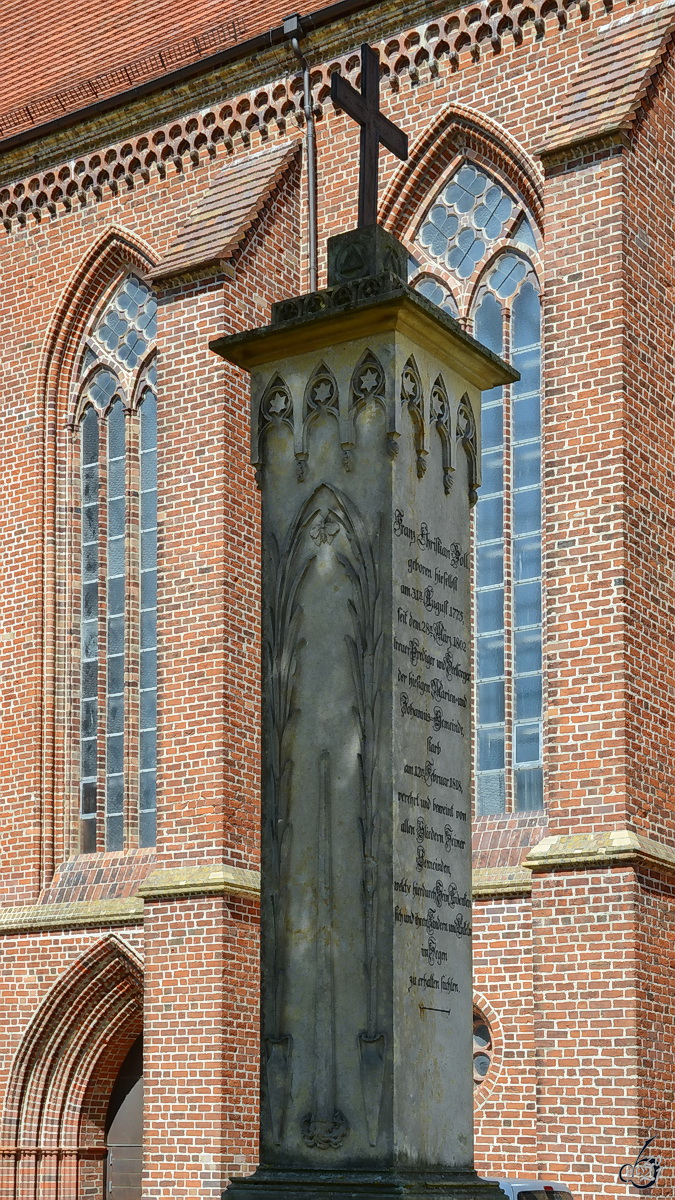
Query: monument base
(279,1184)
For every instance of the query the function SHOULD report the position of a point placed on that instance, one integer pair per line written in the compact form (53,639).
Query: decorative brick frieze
(273,111)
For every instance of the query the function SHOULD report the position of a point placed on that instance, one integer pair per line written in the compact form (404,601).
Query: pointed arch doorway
(65,1075)
(124,1130)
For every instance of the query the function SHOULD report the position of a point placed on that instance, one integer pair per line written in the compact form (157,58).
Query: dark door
(124,1165)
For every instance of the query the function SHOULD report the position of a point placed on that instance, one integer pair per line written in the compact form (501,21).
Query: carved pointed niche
(466,430)
(321,399)
(412,397)
(442,419)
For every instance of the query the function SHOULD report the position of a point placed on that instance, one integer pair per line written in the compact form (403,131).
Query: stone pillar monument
(365,431)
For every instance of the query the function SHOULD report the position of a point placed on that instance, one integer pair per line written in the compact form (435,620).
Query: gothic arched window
(116,429)
(476,246)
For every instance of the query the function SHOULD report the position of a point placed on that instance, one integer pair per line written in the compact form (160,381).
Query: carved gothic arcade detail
(321,399)
(275,411)
(466,430)
(441,416)
(412,396)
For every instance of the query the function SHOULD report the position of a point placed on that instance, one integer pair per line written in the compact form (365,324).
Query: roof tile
(611,84)
(224,214)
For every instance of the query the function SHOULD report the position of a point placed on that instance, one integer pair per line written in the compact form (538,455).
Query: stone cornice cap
(214,879)
(376,304)
(610,848)
(223,216)
(612,82)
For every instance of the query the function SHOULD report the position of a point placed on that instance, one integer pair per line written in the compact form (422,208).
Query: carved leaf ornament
(319,521)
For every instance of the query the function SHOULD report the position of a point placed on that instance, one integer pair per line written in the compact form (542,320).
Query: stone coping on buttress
(610,848)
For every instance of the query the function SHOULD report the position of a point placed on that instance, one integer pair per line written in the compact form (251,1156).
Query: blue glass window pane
(492,426)
(148,749)
(491,794)
(115,674)
(89,718)
(89,678)
(89,639)
(526,418)
(492,465)
(116,556)
(489,324)
(90,437)
(149,422)
(89,757)
(489,518)
(527,558)
(528,650)
(527,362)
(149,549)
(116,517)
(148,472)
(490,564)
(525,318)
(90,484)
(527,747)
(90,561)
(527,465)
(527,511)
(527,604)
(90,523)
(146,831)
(116,714)
(490,749)
(490,611)
(491,702)
(148,668)
(115,635)
(115,798)
(528,697)
(148,589)
(507,275)
(115,752)
(116,596)
(148,789)
(116,432)
(114,833)
(148,628)
(529,789)
(466,253)
(148,709)
(116,479)
(90,601)
(490,652)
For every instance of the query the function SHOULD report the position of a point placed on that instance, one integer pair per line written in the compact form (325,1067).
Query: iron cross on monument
(376,129)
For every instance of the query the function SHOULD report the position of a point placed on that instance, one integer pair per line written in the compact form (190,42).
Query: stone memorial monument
(365,436)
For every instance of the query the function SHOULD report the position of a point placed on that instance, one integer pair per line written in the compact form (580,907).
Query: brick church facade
(153,194)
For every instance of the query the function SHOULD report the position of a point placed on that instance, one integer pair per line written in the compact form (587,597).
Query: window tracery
(481,240)
(116,431)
